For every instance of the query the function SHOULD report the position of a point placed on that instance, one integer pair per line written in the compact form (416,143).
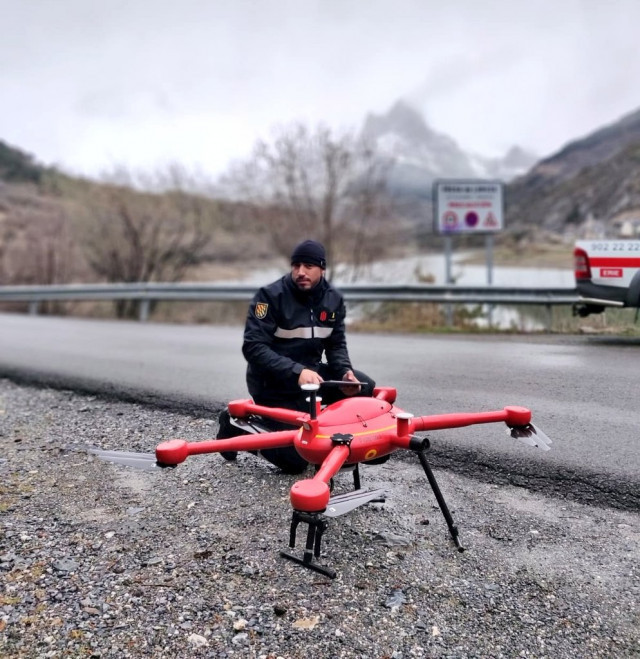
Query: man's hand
(307,376)
(352,390)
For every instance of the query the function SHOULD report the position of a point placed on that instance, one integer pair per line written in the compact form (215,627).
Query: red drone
(339,436)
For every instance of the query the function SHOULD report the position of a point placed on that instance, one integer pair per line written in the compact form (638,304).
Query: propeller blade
(344,503)
(530,435)
(144,461)
(248,425)
(541,436)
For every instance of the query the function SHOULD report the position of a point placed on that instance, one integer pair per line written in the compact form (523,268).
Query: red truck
(607,274)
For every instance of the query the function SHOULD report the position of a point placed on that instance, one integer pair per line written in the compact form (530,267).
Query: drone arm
(244,442)
(312,495)
(332,464)
(512,416)
(175,451)
(243,408)
(386,393)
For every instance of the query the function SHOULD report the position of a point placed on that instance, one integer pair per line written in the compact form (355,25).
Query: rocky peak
(421,155)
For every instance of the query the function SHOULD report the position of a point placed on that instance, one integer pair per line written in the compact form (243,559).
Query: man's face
(305,275)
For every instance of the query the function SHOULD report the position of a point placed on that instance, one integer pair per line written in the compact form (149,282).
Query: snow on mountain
(420,155)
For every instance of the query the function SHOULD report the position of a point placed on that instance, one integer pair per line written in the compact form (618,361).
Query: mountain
(590,188)
(419,155)
(593,149)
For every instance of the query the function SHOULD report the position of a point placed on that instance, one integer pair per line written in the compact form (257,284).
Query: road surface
(582,390)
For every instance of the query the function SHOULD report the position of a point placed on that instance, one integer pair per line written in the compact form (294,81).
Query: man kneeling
(294,335)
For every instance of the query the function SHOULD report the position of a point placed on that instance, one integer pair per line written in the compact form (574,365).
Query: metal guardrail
(146,292)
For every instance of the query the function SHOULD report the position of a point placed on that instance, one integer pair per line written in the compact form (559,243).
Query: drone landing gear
(344,503)
(317,522)
(317,526)
(453,529)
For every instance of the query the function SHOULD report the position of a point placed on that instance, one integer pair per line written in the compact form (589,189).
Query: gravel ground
(99,560)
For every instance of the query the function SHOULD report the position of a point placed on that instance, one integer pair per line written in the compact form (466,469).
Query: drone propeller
(144,461)
(530,435)
(345,503)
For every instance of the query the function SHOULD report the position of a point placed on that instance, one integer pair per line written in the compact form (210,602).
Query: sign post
(468,207)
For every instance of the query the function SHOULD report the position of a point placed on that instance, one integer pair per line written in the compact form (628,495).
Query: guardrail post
(143,310)
(33,307)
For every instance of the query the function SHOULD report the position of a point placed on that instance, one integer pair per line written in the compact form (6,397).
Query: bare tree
(315,184)
(140,236)
(36,239)
(372,229)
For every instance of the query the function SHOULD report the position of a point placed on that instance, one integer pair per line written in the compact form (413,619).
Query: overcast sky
(88,84)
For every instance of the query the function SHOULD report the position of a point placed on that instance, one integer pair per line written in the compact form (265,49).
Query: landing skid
(317,525)
(343,503)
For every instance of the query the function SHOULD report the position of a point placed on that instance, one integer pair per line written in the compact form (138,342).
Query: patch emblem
(261,310)
(323,316)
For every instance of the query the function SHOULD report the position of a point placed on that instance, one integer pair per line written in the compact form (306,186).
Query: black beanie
(309,251)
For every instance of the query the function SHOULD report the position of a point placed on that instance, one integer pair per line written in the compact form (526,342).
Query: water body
(414,269)
(432,268)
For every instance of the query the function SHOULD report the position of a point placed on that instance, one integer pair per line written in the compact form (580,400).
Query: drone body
(342,435)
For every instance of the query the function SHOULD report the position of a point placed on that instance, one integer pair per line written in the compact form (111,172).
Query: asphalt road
(582,390)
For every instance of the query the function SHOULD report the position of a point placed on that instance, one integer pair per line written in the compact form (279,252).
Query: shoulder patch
(261,310)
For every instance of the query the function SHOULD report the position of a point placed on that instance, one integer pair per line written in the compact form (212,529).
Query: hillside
(594,149)
(17,165)
(55,228)
(590,188)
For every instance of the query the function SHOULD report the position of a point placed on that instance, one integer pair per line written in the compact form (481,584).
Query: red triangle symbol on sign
(491,221)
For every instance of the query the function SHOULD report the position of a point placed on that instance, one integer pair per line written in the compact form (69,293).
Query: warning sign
(491,221)
(472,206)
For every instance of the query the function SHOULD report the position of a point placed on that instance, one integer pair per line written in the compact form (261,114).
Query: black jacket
(287,330)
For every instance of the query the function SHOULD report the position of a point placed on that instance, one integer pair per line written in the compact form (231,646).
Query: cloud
(199,81)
